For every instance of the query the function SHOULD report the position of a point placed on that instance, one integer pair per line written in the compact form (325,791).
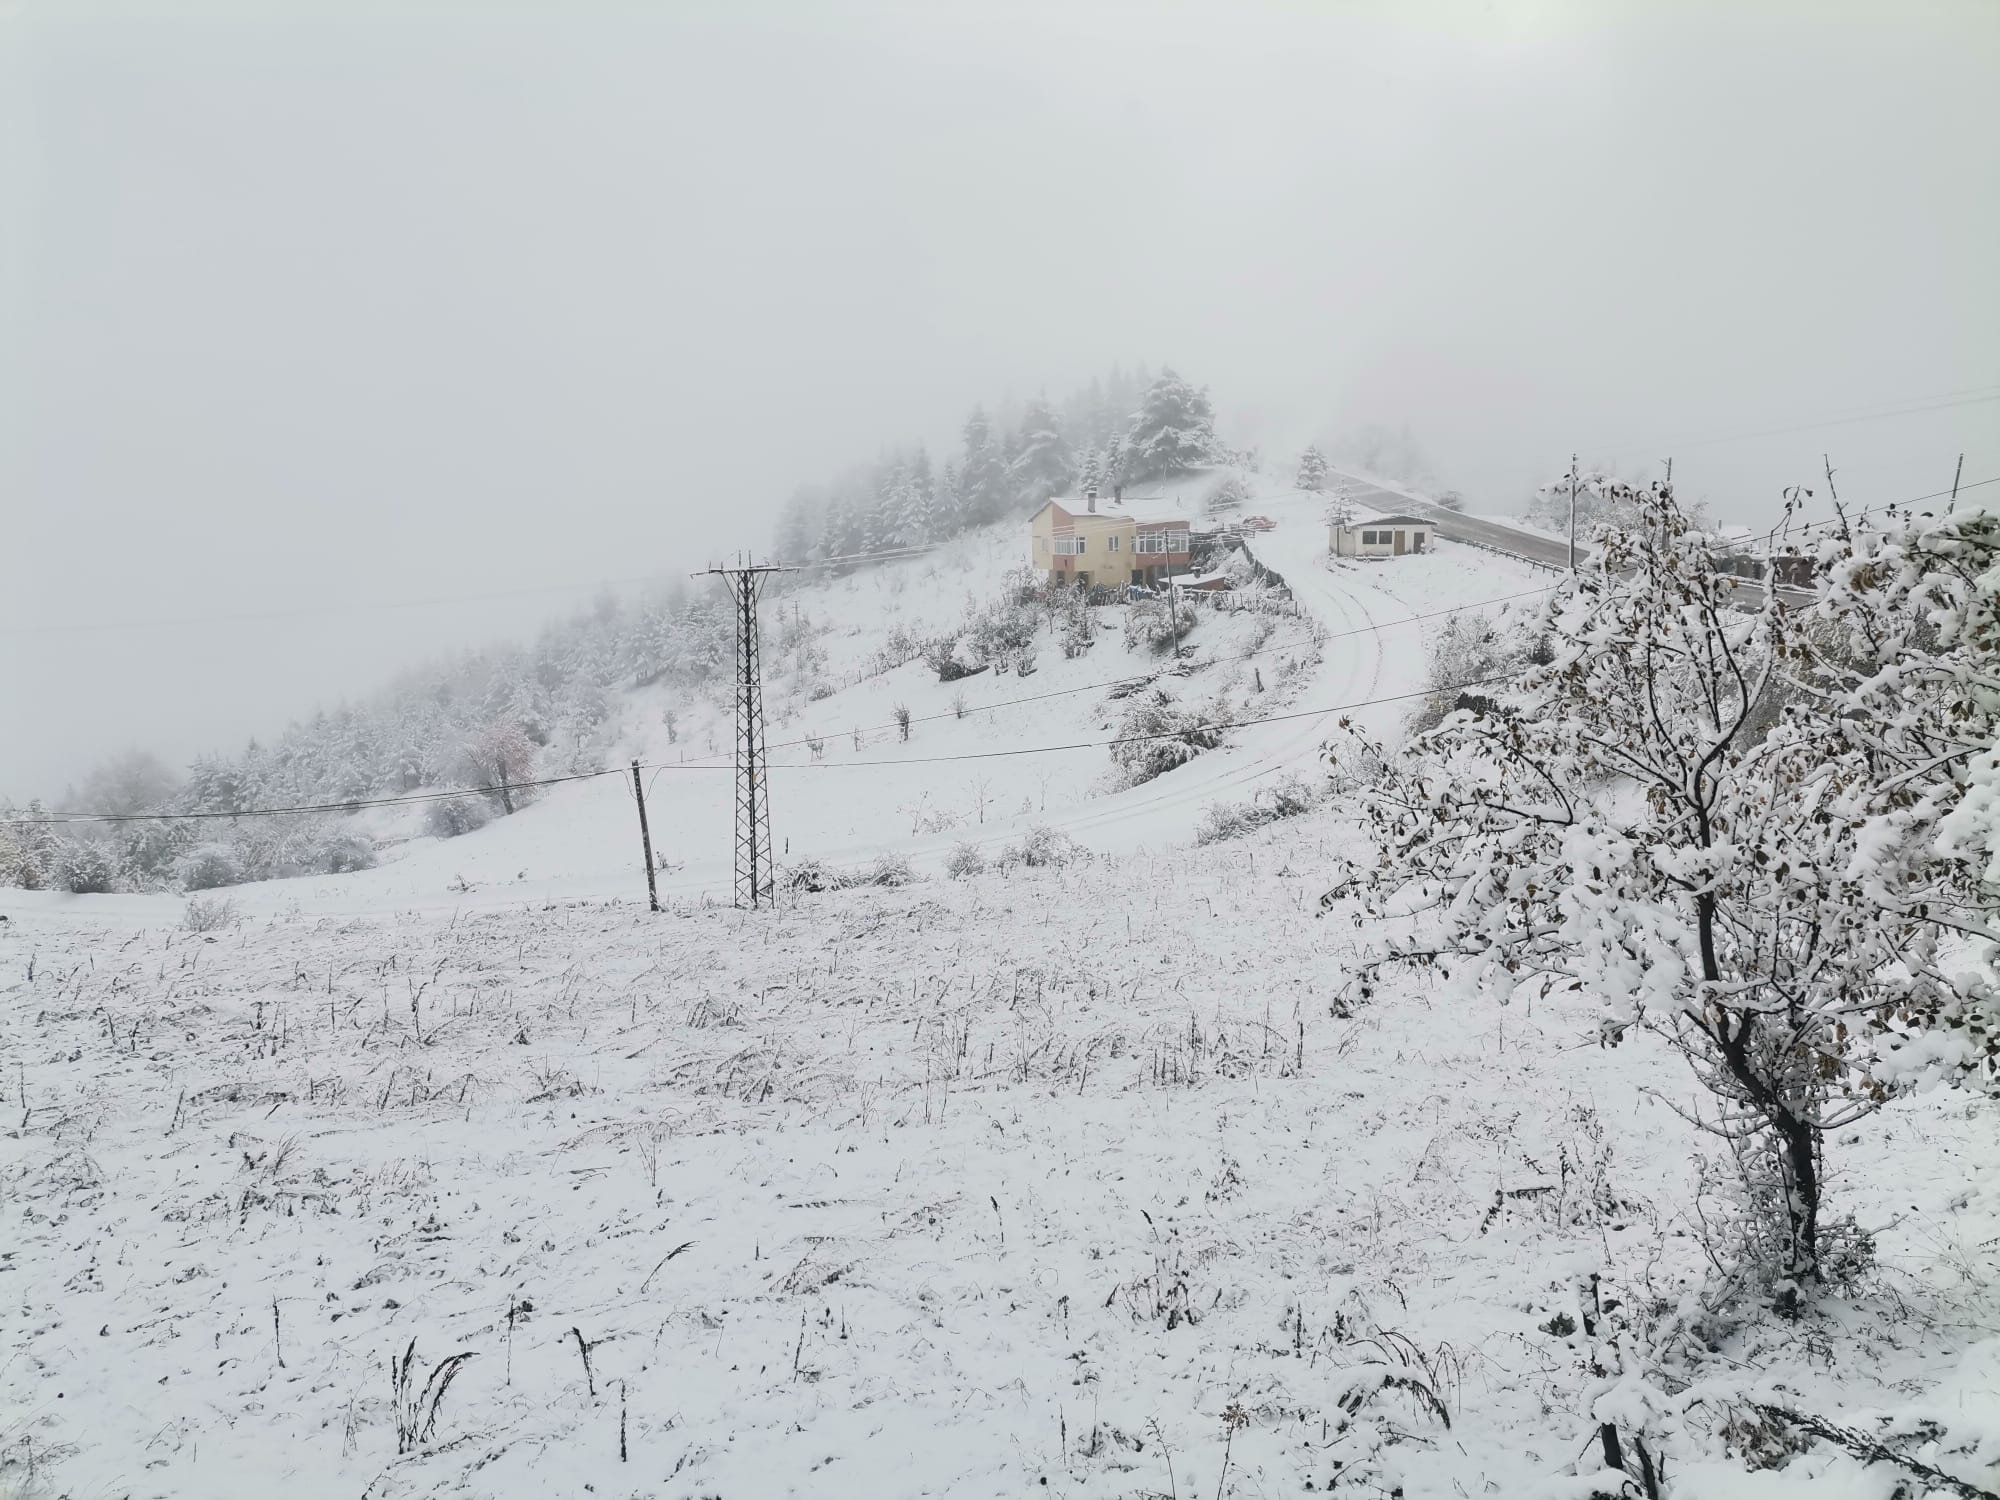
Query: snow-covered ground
(983,778)
(1075,1180)
(949,1190)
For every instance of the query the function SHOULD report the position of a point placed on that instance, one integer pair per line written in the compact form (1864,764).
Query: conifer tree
(1312,470)
(1173,431)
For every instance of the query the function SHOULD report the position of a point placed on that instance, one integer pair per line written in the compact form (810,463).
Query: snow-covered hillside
(1084,1177)
(978,764)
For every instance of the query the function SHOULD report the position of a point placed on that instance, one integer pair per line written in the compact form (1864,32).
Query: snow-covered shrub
(27,846)
(149,850)
(1227,494)
(1043,847)
(951,656)
(814,875)
(208,866)
(1287,798)
(1157,734)
(889,870)
(208,913)
(1078,632)
(964,860)
(1157,624)
(344,853)
(1463,657)
(449,817)
(84,867)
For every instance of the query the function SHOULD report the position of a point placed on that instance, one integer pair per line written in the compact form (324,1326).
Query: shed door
(1402,541)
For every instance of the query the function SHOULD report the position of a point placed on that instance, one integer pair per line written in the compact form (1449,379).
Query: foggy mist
(312,313)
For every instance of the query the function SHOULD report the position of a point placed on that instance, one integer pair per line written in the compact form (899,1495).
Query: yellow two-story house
(1111,544)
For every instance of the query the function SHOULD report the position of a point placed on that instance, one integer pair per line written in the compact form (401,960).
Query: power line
(353,804)
(307,611)
(79,627)
(413,798)
(1140,677)
(914,760)
(1162,734)
(1869,416)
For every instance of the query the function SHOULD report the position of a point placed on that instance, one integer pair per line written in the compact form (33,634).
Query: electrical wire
(1127,739)
(1141,677)
(704,764)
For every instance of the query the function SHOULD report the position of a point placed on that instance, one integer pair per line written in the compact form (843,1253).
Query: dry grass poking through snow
(947,1189)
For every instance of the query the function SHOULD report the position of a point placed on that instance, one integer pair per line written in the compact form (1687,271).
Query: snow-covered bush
(84,867)
(1227,494)
(1787,902)
(1464,657)
(449,817)
(1078,632)
(1286,798)
(208,866)
(1042,848)
(952,656)
(148,850)
(814,875)
(964,860)
(1157,624)
(1157,734)
(208,913)
(344,853)
(889,870)
(28,845)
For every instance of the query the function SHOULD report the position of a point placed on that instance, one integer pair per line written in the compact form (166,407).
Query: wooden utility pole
(1956,475)
(1572,513)
(645,839)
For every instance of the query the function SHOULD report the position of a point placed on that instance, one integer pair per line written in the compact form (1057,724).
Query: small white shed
(1381,536)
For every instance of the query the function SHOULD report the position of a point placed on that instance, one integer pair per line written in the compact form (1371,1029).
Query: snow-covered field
(954,1189)
(1073,1180)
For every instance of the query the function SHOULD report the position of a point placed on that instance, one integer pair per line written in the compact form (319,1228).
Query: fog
(309,314)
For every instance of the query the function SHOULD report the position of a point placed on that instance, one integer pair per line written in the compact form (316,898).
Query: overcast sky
(305,306)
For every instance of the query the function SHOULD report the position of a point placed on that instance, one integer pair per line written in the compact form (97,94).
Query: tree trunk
(506,796)
(1798,1139)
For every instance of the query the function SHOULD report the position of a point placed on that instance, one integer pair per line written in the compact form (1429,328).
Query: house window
(1069,546)
(1155,542)
(1111,544)
(1367,538)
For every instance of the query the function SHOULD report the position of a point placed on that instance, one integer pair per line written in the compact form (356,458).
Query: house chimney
(1091,496)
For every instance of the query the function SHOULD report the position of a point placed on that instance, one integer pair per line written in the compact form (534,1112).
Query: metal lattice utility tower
(755,878)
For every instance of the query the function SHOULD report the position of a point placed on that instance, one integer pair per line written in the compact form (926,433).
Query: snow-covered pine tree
(1114,463)
(795,531)
(1173,430)
(1766,833)
(916,500)
(1044,465)
(947,503)
(1091,475)
(982,481)
(1312,470)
